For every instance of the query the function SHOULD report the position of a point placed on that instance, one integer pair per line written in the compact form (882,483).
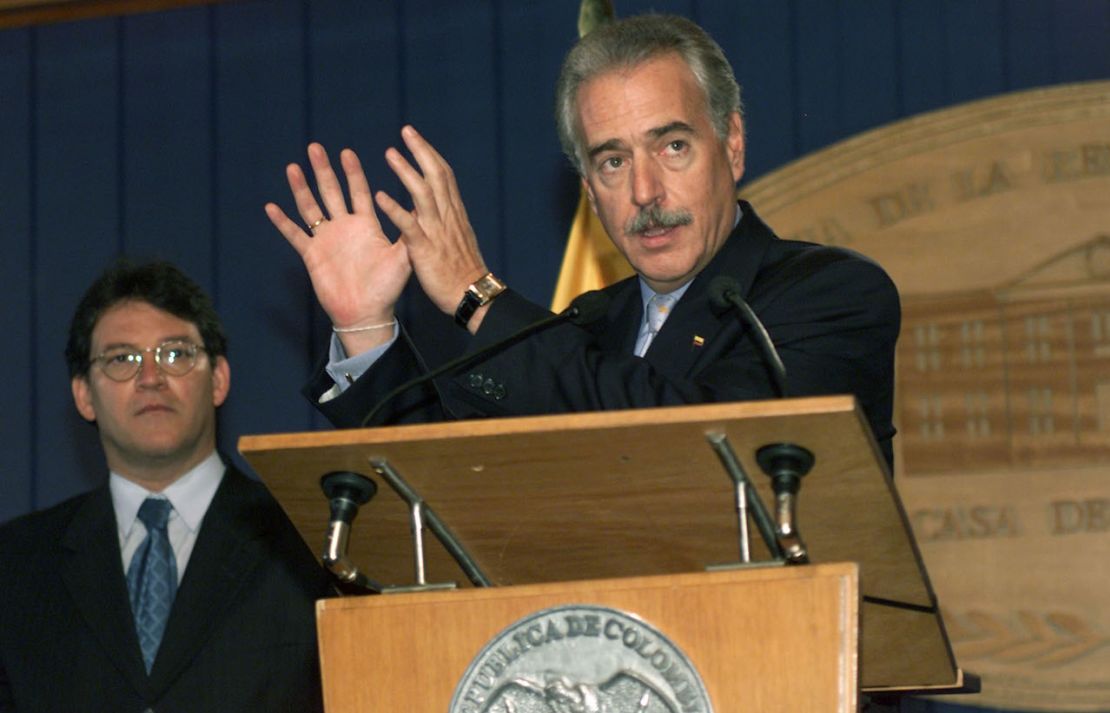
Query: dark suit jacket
(241,635)
(833,315)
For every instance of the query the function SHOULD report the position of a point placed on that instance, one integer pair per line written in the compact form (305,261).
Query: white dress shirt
(190,495)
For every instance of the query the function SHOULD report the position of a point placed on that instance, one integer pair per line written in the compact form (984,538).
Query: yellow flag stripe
(590,261)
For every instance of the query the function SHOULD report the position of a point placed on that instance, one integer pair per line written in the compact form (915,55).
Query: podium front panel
(768,639)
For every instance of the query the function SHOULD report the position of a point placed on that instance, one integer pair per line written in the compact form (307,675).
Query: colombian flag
(590,261)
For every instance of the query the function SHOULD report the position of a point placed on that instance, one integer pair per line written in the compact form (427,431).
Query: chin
(665,273)
(161,451)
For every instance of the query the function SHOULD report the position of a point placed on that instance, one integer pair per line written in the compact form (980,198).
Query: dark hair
(160,285)
(630,42)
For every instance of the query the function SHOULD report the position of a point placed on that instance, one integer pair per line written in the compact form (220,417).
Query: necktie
(658,308)
(152,578)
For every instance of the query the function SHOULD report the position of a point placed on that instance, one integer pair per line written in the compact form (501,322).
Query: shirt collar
(190,495)
(646,293)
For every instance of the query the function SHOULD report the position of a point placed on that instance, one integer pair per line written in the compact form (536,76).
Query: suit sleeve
(6,701)
(9,547)
(399,364)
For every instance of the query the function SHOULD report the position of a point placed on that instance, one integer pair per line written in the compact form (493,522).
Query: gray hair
(629,42)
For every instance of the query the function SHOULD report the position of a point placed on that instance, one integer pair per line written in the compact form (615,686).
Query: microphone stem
(778,370)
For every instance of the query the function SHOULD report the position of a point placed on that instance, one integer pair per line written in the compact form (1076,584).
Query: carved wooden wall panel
(994,220)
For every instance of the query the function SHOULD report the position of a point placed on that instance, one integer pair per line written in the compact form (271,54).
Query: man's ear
(589,194)
(221,381)
(734,145)
(82,397)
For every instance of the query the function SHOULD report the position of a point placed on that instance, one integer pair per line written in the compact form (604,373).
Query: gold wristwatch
(480,292)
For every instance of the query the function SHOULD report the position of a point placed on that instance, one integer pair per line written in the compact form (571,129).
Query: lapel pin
(699,341)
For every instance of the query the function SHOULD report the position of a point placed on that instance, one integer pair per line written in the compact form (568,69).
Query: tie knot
(659,307)
(154,512)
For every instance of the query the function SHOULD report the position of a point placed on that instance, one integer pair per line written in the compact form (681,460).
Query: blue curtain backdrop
(163,134)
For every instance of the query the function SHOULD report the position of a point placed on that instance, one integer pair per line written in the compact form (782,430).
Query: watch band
(478,293)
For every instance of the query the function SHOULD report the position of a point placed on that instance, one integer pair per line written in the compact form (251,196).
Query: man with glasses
(180,584)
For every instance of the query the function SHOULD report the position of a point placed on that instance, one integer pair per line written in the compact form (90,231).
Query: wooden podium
(627,510)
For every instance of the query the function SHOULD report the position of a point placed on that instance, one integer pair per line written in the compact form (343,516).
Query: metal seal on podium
(580,659)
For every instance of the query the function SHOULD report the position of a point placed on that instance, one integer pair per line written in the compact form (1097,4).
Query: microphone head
(345,491)
(588,308)
(345,484)
(722,291)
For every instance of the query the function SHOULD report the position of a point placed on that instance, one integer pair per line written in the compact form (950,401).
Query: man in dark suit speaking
(649,113)
(179,585)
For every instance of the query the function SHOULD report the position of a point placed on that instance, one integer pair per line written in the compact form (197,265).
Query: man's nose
(647,188)
(150,374)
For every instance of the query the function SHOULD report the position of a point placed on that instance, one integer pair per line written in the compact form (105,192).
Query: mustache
(657,217)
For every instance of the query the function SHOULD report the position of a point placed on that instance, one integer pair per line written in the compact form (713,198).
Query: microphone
(785,463)
(724,294)
(586,309)
(345,492)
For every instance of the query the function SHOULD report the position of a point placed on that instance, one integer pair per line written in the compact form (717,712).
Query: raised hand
(441,244)
(357,273)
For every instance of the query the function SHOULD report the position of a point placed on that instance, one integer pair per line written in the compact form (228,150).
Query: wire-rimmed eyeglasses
(175,357)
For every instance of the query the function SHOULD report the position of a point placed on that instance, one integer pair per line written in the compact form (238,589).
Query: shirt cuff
(345,370)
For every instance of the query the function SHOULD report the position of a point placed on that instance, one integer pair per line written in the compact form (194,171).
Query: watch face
(487,288)
(479,293)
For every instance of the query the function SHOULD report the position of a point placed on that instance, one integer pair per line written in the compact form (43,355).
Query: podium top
(593,495)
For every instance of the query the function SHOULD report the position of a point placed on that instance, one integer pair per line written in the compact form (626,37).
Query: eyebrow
(679,126)
(610,145)
(129,345)
(655,133)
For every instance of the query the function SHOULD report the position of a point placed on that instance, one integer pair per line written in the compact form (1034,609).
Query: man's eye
(677,146)
(120,358)
(175,352)
(612,163)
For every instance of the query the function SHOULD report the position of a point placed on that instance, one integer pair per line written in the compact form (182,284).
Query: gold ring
(312,228)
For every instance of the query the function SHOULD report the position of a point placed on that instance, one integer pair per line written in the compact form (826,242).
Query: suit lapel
(626,311)
(228,549)
(692,335)
(92,571)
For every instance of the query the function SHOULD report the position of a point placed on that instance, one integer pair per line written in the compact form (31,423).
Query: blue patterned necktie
(152,578)
(658,309)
